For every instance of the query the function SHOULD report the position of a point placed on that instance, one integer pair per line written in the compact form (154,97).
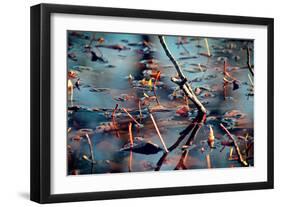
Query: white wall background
(14,101)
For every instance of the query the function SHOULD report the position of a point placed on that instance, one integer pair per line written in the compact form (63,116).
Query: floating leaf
(142,146)
(183,111)
(235,85)
(100,40)
(150,83)
(72,74)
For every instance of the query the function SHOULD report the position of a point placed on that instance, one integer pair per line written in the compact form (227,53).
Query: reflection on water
(107,69)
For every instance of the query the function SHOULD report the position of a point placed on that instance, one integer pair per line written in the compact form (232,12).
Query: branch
(181,162)
(249,61)
(182,81)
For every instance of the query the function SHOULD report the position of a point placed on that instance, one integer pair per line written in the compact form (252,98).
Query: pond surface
(123,77)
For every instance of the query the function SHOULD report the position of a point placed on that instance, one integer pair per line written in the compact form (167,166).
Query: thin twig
(131,135)
(249,61)
(154,87)
(230,153)
(183,134)
(207,46)
(91,146)
(131,117)
(225,82)
(240,156)
(158,132)
(131,147)
(91,151)
(193,134)
(251,81)
(140,111)
(187,52)
(114,121)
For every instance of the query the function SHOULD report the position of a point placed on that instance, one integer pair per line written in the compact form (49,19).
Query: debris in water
(208,160)
(131,96)
(158,132)
(211,138)
(142,146)
(183,111)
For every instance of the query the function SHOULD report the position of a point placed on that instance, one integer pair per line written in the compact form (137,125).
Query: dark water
(104,83)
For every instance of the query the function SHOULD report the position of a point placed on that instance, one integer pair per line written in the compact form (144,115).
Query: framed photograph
(132,103)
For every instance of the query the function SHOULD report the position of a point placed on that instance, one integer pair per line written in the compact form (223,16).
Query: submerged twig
(208,160)
(181,162)
(183,134)
(230,153)
(161,160)
(130,161)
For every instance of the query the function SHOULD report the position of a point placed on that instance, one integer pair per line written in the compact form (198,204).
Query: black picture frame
(41,96)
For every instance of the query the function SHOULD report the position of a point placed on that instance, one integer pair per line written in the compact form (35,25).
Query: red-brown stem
(131,135)
(130,161)
(131,147)
(114,122)
(208,160)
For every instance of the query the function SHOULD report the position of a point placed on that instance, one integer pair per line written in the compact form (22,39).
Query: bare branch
(182,81)
(250,66)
